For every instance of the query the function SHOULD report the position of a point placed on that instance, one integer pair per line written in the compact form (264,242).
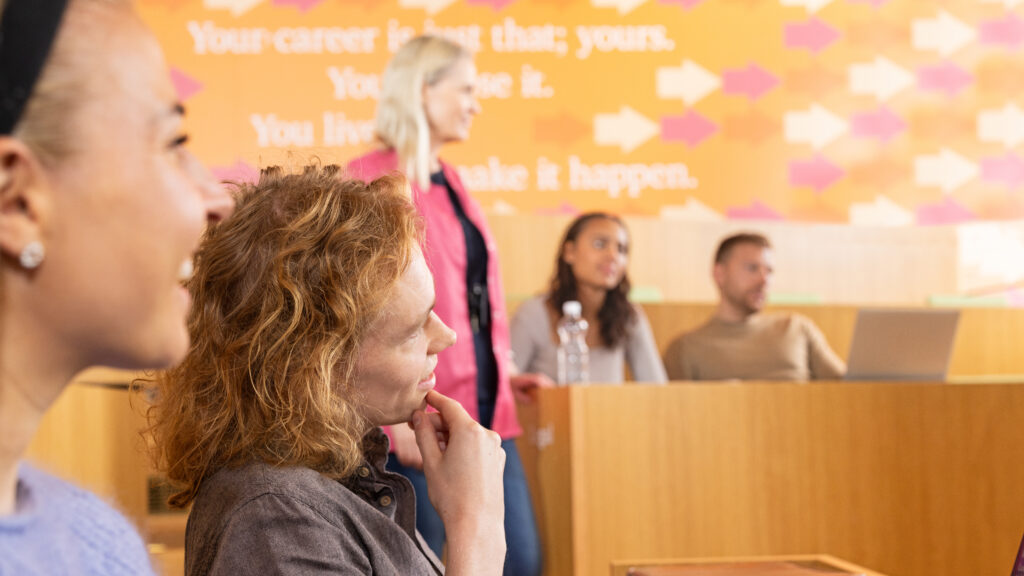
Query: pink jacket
(445,251)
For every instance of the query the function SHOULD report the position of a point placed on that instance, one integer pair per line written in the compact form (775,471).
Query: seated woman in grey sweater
(590,268)
(313,326)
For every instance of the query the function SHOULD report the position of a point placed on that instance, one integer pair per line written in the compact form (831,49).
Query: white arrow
(947,170)
(628,129)
(817,126)
(1005,125)
(689,82)
(431,6)
(943,34)
(812,6)
(692,210)
(882,78)
(881,212)
(1009,4)
(624,6)
(237,7)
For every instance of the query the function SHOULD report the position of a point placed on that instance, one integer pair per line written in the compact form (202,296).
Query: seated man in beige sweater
(739,342)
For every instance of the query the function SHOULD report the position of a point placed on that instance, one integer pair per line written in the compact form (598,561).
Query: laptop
(902,344)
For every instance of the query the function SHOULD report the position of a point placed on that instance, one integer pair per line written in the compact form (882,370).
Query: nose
(218,202)
(443,338)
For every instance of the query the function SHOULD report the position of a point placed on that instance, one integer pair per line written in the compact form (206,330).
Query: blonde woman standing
(427,100)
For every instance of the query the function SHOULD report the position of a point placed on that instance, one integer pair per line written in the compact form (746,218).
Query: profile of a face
(450,103)
(744,277)
(395,367)
(120,213)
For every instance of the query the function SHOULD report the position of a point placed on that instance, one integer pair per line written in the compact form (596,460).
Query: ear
(24,197)
(718,273)
(569,252)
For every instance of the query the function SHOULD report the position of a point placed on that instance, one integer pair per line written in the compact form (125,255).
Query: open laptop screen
(902,344)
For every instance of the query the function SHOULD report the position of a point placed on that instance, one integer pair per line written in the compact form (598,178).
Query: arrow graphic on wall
(811,6)
(430,6)
(882,79)
(690,82)
(1005,125)
(185,86)
(813,35)
(948,211)
(880,124)
(236,7)
(496,4)
(623,6)
(815,126)
(882,212)
(1007,170)
(687,4)
(946,77)
(946,170)
(1007,32)
(817,173)
(627,129)
(302,5)
(757,210)
(752,81)
(692,210)
(691,128)
(944,34)
(1009,4)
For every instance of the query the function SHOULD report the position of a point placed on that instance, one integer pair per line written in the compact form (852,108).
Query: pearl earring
(32,255)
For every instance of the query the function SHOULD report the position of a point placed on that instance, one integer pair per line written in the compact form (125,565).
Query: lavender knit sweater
(61,529)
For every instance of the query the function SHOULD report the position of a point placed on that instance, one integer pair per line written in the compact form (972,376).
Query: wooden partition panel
(908,479)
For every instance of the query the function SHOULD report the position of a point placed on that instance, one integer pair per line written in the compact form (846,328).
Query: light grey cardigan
(535,350)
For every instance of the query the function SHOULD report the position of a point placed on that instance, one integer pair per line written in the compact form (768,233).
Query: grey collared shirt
(262,519)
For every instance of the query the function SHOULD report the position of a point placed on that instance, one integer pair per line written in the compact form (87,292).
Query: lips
(428,383)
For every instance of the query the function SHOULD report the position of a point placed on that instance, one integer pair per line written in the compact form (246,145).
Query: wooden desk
(679,567)
(910,479)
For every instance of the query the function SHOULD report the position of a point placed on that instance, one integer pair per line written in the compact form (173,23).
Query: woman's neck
(591,300)
(32,376)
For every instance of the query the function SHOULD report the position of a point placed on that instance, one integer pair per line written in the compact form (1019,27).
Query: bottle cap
(572,308)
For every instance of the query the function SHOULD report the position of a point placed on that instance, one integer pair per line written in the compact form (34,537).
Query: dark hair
(616,314)
(726,245)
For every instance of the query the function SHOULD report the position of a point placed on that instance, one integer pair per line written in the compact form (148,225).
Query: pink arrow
(873,3)
(881,124)
(1008,32)
(752,81)
(496,4)
(302,5)
(946,77)
(185,86)
(237,172)
(691,128)
(948,211)
(813,35)
(817,173)
(756,211)
(687,4)
(1008,170)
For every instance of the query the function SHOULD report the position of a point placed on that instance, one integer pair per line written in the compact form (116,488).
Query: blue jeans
(521,538)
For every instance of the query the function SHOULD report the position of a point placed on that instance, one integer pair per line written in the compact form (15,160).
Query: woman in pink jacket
(427,100)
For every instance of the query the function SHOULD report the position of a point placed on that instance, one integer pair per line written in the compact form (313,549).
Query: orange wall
(870,111)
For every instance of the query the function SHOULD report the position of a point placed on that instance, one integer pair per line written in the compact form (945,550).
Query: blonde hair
(284,292)
(401,118)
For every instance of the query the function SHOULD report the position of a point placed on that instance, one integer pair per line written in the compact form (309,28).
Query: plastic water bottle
(573,354)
